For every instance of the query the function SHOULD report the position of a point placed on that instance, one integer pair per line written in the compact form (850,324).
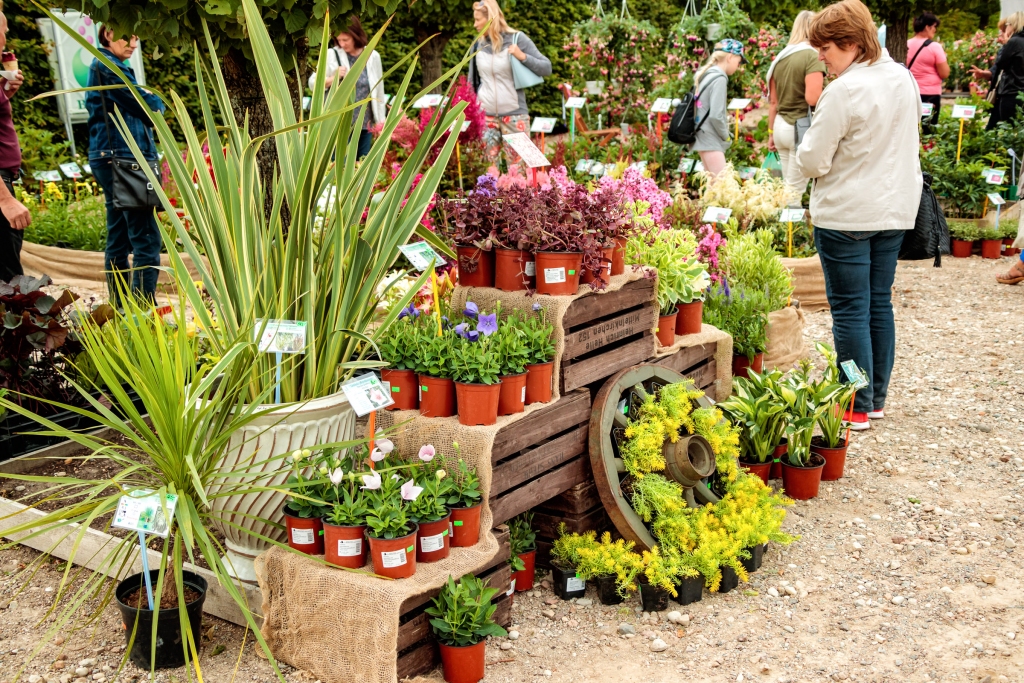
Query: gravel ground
(907,569)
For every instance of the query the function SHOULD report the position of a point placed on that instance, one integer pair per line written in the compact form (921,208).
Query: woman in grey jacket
(490,72)
(710,83)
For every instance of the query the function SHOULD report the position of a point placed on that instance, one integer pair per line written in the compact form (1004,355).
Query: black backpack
(930,236)
(683,128)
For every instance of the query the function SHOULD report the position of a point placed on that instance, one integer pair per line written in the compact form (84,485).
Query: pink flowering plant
(979,50)
(635,186)
(709,242)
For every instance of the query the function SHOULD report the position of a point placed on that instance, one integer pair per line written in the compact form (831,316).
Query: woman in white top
(345,50)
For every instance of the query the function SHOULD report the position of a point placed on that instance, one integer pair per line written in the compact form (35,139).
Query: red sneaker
(857,421)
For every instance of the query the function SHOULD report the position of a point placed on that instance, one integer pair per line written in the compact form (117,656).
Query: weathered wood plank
(521,499)
(607,333)
(572,409)
(684,359)
(704,377)
(596,306)
(582,373)
(546,523)
(536,461)
(577,500)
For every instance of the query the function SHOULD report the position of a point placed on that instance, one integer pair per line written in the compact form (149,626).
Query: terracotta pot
(835,458)
(395,557)
(476,266)
(991,249)
(524,577)
(1008,248)
(510,273)
(605,274)
(758,469)
(802,483)
(305,534)
(437,396)
(433,540)
(463,664)
(558,272)
(404,388)
(962,248)
(538,382)
(619,256)
(689,319)
(345,546)
(667,329)
(465,526)
(512,398)
(777,456)
(478,403)
(740,364)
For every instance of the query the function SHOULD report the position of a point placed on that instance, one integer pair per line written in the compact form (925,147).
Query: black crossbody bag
(132,189)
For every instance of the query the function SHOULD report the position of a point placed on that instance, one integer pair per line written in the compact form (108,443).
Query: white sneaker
(876,414)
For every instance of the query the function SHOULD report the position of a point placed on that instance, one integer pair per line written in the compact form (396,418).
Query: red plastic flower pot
(512,398)
(777,457)
(835,458)
(689,319)
(558,272)
(437,396)
(524,577)
(305,534)
(619,256)
(478,403)
(605,274)
(476,266)
(538,382)
(510,271)
(463,664)
(962,248)
(667,329)
(758,469)
(802,483)
(404,388)
(740,364)
(466,526)
(394,558)
(345,546)
(433,541)
(991,249)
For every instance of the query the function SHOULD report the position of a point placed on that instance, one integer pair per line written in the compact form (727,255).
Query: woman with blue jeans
(128,232)
(862,150)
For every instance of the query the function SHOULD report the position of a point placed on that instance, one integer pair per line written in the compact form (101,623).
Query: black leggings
(928,125)
(1004,109)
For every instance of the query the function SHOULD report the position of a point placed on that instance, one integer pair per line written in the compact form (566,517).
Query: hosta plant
(752,262)
(682,277)
(462,613)
(837,393)
(761,418)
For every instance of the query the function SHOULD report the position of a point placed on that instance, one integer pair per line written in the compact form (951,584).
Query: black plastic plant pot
(690,589)
(566,584)
(607,590)
(756,554)
(729,580)
(170,650)
(652,598)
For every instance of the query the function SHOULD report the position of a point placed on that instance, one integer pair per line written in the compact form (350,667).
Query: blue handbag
(521,74)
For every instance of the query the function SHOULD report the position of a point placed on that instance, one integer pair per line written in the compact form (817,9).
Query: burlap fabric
(723,354)
(786,343)
(808,283)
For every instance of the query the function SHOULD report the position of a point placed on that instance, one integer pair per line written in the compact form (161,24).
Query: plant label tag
(367,394)
(431,100)
(575,584)
(523,398)
(661,105)
(738,103)
(350,548)
(542,124)
(597,169)
(576,102)
(421,255)
(698,167)
(87,168)
(48,176)
(926,109)
(531,268)
(622,407)
(854,374)
(685,165)
(995,199)
(583,165)
(639,165)
(465,126)
(511,587)
(553,276)
(594,88)
(993,176)
(747,172)
(306,102)
(280,336)
(393,558)
(303,536)
(143,511)
(71,170)
(431,544)
(716,214)
(451,529)
(791,215)
(964,111)
(525,148)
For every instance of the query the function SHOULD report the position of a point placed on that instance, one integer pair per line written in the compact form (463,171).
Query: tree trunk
(430,55)
(896,23)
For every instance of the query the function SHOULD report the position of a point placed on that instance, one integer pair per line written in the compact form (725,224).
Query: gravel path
(907,570)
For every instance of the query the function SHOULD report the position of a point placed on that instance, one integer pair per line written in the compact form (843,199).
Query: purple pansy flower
(410,311)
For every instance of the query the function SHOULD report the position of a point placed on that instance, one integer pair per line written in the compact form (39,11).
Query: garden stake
(737,136)
(533,182)
(984,208)
(371,429)
(998,206)
(145,569)
(572,126)
(458,163)
(657,123)
(542,142)
(437,302)
(277,378)
(789,246)
(850,426)
(959,141)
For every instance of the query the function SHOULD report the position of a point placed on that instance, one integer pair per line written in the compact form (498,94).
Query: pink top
(924,68)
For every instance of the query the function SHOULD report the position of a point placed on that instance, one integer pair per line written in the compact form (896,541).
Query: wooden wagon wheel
(690,461)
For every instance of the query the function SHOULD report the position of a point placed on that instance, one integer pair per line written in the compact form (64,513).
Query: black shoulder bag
(926,43)
(132,189)
(683,128)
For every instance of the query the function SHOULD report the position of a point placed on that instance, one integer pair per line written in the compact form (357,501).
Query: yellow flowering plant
(753,513)
(611,558)
(661,416)
(565,552)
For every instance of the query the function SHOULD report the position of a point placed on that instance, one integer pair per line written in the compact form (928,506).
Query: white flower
(410,491)
(337,476)
(427,452)
(376,455)
(385,445)
(372,481)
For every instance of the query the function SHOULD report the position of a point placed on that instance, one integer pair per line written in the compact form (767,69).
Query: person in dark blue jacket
(128,232)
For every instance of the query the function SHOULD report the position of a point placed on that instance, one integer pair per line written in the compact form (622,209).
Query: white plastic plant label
(994,176)
(431,544)
(747,172)
(143,511)
(542,124)
(431,100)
(525,148)
(685,165)
(964,111)
(421,255)
(597,169)
(531,268)
(303,536)
(738,103)
(366,394)
(350,548)
(576,103)
(716,214)
(698,167)
(583,165)
(594,87)
(854,374)
(926,109)
(661,105)
(71,170)
(523,399)
(511,587)
(574,583)
(791,215)
(553,276)
(995,199)
(280,336)
(639,165)
(393,558)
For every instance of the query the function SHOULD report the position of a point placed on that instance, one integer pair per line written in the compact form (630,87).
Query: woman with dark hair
(927,62)
(342,54)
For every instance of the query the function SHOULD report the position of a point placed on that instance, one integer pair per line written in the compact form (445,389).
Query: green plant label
(421,255)
(685,165)
(854,374)
(553,276)
(143,511)
(572,272)
(431,544)
(71,170)
(367,394)
(350,548)
(445,532)
(393,558)
(280,336)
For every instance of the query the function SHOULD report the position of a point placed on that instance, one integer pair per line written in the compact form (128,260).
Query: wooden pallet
(608,332)
(417,649)
(698,363)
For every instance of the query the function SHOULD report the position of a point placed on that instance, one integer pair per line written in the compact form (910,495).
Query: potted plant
(521,220)
(523,540)
(964,235)
(539,335)
(471,220)
(991,243)
(305,507)
(345,526)
(607,218)
(1008,231)
(461,620)
(434,370)
(834,439)
(476,366)
(429,510)
(613,566)
(392,534)
(743,314)
(567,244)
(399,347)
(565,557)
(801,472)
(762,420)
(465,501)
(752,514)
(514,353)
(658,580)
(640,223)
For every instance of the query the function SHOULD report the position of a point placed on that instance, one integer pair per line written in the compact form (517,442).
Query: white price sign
(716,214)
(926,109)
(661,105)
(525,148)
(280,336)
(421,255)
(584,165)
(367,394)
(595,87)
(791,215)
(431,100)
(964,111)
(542,124)
(71,170)
(994,176)
(48,176)
(738,103)
(995,199)
(747,172)
(685,165)
(698,167)
(576,103)
(144,511)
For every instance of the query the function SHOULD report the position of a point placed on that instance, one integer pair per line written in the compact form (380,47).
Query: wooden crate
(697,362)
(608,332)
(417,649)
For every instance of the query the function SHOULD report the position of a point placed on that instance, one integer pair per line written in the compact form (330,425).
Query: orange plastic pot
(777,456)
(404,388)
(476,266)
(605,274)
(463,664)
(758,469)
(962,248)
(433,541)
(305,534)
(478,403)
(394,558)
(1008,248)
(512,398)
(835,458)
(510,271)
(345,546)
(437,396)
(689,319)
(466,526)
(558,272)
(992,249)
(740,364)
(538,382)
(524,577)
(667,329)
(802,483)
(619,256)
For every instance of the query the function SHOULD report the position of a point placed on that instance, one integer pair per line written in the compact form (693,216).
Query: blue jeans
(128,232)
(859,271)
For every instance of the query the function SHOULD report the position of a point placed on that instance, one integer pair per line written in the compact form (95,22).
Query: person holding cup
(14,217)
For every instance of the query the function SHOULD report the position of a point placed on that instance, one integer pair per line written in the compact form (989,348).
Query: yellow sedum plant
(615,558)
(661,417)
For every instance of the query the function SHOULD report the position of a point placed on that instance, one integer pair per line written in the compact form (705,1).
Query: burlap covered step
(705,357)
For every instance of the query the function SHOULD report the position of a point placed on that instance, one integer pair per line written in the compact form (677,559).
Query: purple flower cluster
(486,324)
(635,187)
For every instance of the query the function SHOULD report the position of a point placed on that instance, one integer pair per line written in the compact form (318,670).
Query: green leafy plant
(539,335)
(743,314)
(988,233)
(660,418)
(752,263)
(682,277)
(465,490)
(308,486)
(349,510)
(512,345)
(399,345)
(804,406)
(611,558)
(761,418)
(432,352)
(429,505)
(462,613)
(388,520)
(836,393)
(522,539)
(1008,230)
(963,230)
(66,223)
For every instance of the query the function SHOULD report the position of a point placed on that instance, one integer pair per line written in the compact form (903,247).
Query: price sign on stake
(964,111)
(421,255)
(996,199)
(926,109)
(994,176)
(661,105)
(71,170)
(583,165)
(791,215)
(431,100)
(525,148)
(280,336)
(716,214)
(738,103)
(576,103)
(854,374)
(143,511)
(542,125)
(747,172)
(685,165)
(366,394)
